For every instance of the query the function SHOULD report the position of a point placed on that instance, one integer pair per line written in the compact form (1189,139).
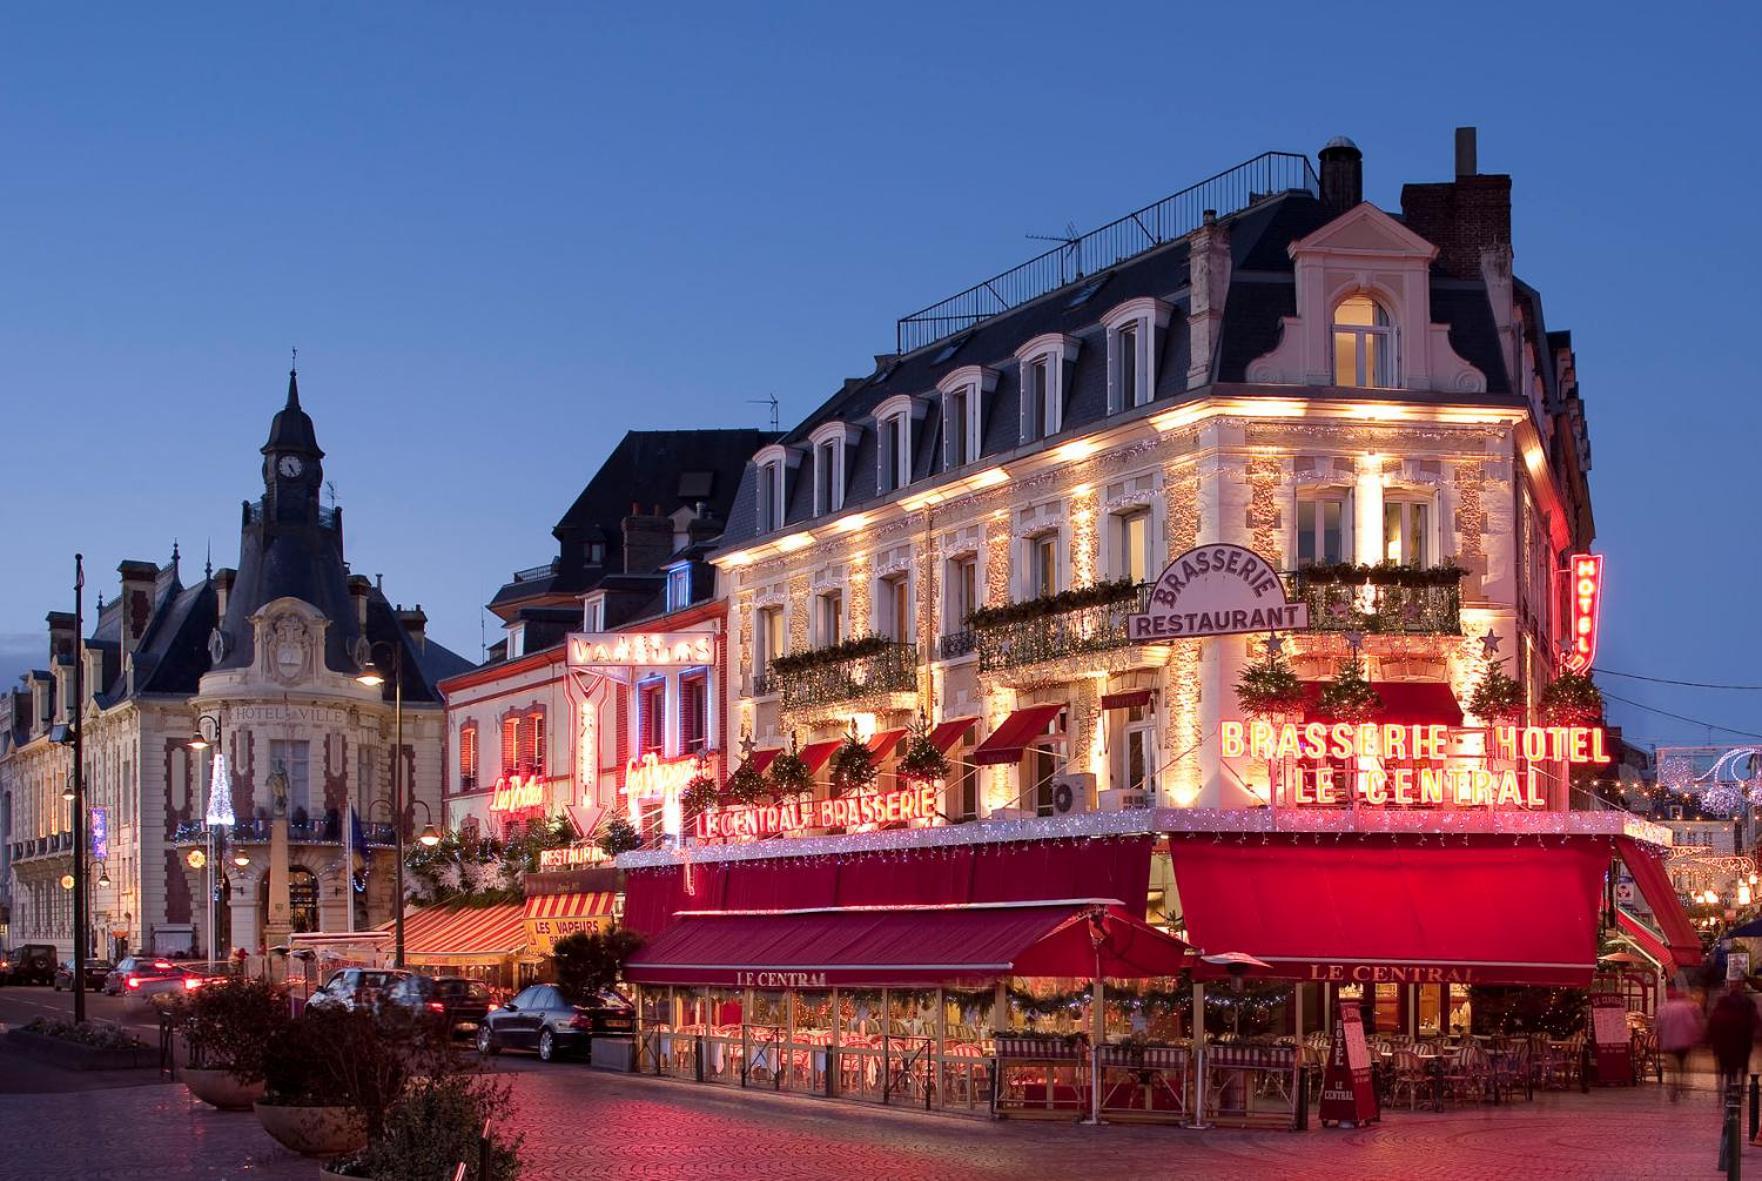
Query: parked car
(138,968)
(97,971)
(352,987)
(28,963)
(538,1018)
(458,1002)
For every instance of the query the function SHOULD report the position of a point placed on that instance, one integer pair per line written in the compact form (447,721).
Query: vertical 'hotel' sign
(1584,604)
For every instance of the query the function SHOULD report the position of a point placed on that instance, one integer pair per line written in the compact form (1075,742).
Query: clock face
(290,467)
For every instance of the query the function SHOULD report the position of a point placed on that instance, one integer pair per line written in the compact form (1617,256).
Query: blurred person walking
(1681,1027)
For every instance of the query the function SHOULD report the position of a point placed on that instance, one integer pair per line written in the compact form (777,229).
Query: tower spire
(294,381)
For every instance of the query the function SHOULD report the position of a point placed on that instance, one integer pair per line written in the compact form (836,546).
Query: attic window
(948,350)
(1364,344)
(1087,291)
(696,485)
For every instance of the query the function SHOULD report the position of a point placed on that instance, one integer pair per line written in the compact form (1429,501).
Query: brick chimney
(415,625)
(136,604)
(61,638)
(1208,265)
(648,540)
(359,587)
(1464,218)
(1342,175)
(223,580)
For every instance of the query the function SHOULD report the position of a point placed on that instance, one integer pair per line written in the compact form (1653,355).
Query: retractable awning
(1011,738)
(883,946)
(882,744)
(760,759)
(437,932)
(1382,909)
(1647,940)
(1645,862)
(1405,703)
(815,754)
(948,735)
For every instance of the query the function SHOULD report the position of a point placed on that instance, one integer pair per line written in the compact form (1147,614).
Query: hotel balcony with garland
(1367,399)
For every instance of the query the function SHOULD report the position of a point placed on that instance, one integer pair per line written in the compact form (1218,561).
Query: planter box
(614,1053)
(219,1089)
(73,1056)
(314,1131)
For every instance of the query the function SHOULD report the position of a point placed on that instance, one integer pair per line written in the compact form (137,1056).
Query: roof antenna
(771,401)
(1073,249)
(294,360)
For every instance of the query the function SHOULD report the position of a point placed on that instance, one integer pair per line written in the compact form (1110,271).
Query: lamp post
(215,816)
(371,676)
(79,791)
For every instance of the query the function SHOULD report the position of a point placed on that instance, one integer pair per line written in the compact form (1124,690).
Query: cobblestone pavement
(582,1123)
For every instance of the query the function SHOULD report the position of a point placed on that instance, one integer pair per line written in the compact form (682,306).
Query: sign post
(1349,1095)
(1610,1036)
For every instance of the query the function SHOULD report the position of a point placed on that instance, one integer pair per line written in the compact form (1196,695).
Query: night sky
(500,239)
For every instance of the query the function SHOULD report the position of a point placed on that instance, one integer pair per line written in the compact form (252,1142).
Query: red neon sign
(1585,599)
(792,817)
(518,794)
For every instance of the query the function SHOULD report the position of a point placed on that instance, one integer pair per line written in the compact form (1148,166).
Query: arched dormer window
(963,413)
(832,442)
(773,464)
(1364,344)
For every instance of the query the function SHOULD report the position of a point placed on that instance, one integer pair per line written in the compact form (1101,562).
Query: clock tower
(293,469)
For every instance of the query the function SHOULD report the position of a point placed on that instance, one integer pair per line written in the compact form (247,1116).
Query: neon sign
(518,794)
(1585,600)
(1217,590)
(572,857)
(918,802)
(639,649)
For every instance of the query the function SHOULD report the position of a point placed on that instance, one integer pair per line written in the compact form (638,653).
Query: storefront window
(911,1013)
(1388,1008)
(1145,1009)
(1050,1005)
(860,1012)
(1460,1010)
(769,1009)
(813,1016)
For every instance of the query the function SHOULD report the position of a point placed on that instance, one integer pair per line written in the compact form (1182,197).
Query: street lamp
(215,814)
(240,859)
(372,678)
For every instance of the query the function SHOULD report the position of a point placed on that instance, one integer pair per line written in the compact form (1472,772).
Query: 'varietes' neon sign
(518,794)
(1585,599)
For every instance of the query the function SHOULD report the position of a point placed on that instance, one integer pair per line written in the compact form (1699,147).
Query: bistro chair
(1409,1076)
(1466,1071)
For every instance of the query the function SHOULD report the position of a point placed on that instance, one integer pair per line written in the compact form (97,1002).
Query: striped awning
(436,932)
(571,906)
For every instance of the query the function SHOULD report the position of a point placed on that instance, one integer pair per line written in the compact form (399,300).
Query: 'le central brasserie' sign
(917,802)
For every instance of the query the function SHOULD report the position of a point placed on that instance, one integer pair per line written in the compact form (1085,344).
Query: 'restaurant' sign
(1216,590)
(917,802)
(640,649)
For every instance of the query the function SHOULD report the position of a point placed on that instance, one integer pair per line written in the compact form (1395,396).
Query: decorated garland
(1349,697)
(619,836)
(1102,594)
(921,762)
(789,774)
(795,662)
(1383,574)
(853,765)
(1572,699)
(1269,688)
(1497,698)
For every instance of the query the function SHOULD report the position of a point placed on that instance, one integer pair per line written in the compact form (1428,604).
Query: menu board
(1349,1095)
(1610,1036)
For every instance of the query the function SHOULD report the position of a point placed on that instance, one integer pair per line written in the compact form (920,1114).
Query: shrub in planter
(227,1025)
(338,1058)
(746,785)
(1269,688)
(921,762)
(432,1127)
(700,794)
(853,766)
(589,962)
(1349,697)
(96,1035)
(619,836)
(1497,698)
(1572,699)
(789,774)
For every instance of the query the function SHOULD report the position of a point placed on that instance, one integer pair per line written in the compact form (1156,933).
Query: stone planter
(218,1088)
(313,1131)
(73,1056)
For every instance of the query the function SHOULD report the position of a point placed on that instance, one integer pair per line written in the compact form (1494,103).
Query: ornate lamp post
(216,817)
(371,676)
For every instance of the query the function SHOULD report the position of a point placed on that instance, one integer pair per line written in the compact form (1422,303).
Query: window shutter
(1116,362)
(1025,391)
(510,745)
(535,743)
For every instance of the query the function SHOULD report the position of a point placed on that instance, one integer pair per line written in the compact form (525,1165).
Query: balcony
(304,832)
(1071,623)
(851,671)
(1380,600)
(954,645)
(51,845)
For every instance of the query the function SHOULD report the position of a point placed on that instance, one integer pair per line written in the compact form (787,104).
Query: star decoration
(1355,640)
(1275,643)
(1490,644)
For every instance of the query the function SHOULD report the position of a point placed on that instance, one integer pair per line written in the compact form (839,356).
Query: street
(580,1122)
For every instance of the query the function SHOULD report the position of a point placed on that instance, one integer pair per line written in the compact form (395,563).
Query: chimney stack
(1465,152)
(1468,219)
(415,625)
(61,639)
(359,587)
(1342,175)
(648,540)
(139,579)
(223,580)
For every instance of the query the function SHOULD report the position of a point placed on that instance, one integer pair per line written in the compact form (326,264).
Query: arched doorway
(302,899)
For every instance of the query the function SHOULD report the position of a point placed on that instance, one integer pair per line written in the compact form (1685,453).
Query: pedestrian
(1731,1030)
(1681,1027)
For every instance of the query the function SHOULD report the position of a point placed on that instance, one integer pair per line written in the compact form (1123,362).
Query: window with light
(1364,344)
(1321,529)
(1406,531)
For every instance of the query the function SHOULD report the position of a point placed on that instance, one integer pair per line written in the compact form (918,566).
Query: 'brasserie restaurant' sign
(1216,590)
(917,802)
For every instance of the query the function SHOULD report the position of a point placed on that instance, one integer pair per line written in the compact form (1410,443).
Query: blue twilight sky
(502,234)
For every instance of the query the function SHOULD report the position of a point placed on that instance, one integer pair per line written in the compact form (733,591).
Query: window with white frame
(1042,363)
(771,495)
(1131,352)
(960,590)
(678,587)
(828,618)
(1129,545)
(1134,763)
(651,716)
(893,608)
(593,614)
(1407,528)
(769,638)
(963,394)
(1042,565)
(694,712)
(1364,344)
(828,476)
(1322,535)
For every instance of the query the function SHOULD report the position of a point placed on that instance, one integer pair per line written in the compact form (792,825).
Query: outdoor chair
(1409,1077)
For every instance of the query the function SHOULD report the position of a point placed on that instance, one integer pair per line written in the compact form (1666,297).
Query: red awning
(760,759)
(1648,941)
(883,743)
(815,754)
(1386,909)
(1125,700)
(1405,703)
(913,945)
(1009,740)
(1654,883)
(948,735)
(442,932)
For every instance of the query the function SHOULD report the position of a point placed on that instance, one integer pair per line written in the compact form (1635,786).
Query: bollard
(1755,1105)
(1731,1149)
(483,1158)
(1302,1118)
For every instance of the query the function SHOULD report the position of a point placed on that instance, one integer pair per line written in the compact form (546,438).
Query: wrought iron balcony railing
(887,668)
(1056,634)
(1383,602)
(954,645)
(328,831)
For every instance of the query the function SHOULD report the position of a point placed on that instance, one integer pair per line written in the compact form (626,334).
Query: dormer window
(831,442)
(678,587)
(963,394)
(1364,344)
(1131,352)
(773,465)
(1043,362)
(893,453)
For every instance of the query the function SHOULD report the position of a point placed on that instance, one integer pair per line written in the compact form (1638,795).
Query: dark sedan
(97,971)
(538,1018)
(457,1002)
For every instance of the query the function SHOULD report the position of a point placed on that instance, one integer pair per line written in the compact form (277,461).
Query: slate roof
(1262,291)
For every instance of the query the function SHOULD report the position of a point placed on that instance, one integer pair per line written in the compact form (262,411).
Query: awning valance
(1647,866)
(948,735)
(882,744)
(904,946)
(597,904)
(1405,703)
(1012,736)
(1125,699)
(1383,909)
(815,754)
(464,931)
